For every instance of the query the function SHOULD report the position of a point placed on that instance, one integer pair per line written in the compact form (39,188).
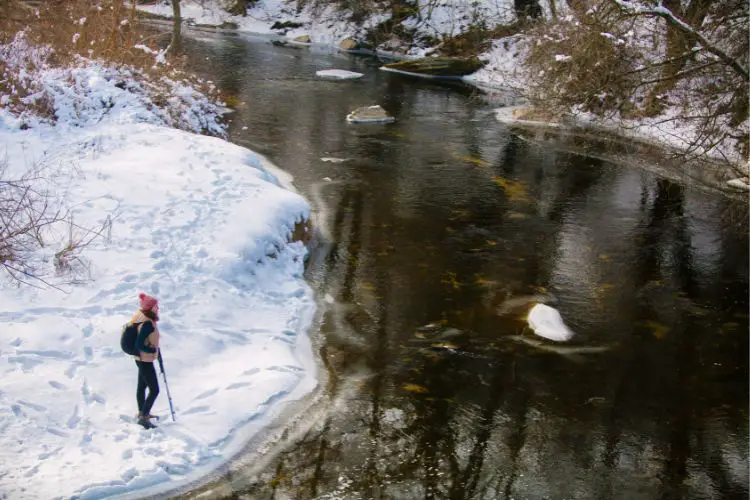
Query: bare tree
(175,45)
(685,71)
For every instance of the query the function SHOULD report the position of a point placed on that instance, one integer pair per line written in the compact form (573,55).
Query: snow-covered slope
(198,222)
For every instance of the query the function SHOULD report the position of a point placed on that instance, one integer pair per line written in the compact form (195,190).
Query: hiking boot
(146,423)
(138,416)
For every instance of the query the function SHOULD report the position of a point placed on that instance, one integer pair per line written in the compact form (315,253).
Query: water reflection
(442,218)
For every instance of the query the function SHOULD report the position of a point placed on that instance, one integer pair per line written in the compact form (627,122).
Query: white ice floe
(332,159)
(338,74)
(200,223)
(369,114)
(547,322)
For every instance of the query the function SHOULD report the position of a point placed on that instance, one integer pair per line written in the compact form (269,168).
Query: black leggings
(146,378)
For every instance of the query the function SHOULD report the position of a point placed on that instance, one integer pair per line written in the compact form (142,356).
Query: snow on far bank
(326,26)
(198,222)
(504,65)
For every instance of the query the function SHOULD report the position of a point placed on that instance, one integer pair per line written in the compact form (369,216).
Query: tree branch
(674,21)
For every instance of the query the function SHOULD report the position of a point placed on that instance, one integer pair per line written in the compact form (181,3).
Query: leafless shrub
(30,216)
(625,60)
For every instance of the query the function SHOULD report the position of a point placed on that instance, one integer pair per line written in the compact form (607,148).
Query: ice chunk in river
(338,74)
(547,322)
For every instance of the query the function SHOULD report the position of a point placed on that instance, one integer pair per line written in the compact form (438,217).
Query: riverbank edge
(731,179)
(293,420)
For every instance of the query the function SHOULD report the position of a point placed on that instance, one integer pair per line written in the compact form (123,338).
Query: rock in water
(303,39)
(445,67)
(348,44)
(547,322)
(338,74)
(369,114)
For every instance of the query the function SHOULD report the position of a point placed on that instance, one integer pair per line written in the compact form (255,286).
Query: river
(438,232)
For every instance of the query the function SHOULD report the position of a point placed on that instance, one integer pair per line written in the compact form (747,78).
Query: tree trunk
(175,45)
(553,10)
(238,8)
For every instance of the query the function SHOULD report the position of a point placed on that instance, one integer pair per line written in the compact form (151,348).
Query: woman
(147,345)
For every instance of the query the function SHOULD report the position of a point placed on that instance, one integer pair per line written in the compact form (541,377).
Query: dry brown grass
(107,31)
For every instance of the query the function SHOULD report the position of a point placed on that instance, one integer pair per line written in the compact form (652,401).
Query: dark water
(443,218)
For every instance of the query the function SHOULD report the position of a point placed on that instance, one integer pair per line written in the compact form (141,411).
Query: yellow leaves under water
(516,216)
(514,190)
(729,326)
(475,160)
(459,214)
(444,345)
(659,330)
(484,282)
(414,388)
(231,101)
(450,279)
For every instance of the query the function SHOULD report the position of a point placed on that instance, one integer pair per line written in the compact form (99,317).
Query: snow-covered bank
(326,26)
(324,29)
(202,224)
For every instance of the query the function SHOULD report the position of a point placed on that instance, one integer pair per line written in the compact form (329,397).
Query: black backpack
(128,338)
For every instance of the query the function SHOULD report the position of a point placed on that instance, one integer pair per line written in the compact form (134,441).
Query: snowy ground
(196,221)
(327,27)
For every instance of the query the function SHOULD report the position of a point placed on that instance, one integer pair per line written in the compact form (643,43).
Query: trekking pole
(169,396)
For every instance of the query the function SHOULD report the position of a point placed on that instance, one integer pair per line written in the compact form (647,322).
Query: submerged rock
(348,44)
(547,323)
(284,43)
(437,67)
(338,74)
(302,39)
(369,114)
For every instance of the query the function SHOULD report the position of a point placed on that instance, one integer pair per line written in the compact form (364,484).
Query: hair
(151,315)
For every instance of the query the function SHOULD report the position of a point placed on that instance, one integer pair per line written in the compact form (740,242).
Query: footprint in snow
(196,409)
(237,385)
(129,474)
(32,471)
(33,406)
(57,432)
(74,419)
(73,368)
(47,454)
(206,394)
(91,397)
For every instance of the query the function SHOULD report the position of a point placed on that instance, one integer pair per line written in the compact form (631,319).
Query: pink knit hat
(148,303)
